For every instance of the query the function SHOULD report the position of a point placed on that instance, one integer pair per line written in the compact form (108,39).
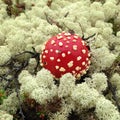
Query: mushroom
(65,53)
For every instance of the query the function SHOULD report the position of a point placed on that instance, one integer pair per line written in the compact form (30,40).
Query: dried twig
(15,68)
(66,14)
(51,21)
(49,3)
(18,70)
(88,37)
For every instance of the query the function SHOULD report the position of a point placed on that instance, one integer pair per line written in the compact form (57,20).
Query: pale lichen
(35,26)
(105,110)
(5,116)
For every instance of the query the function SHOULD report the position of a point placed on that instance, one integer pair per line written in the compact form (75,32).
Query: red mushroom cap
(65,53)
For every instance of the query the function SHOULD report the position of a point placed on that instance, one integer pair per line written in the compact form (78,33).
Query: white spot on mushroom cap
(62,69)
(60,44)
(63,55)
(58,51)
(66,34)
(88,54)
(41,64)
(51,50)
(66,46)
(59,37)
(59,34)
(68,52)
(79,58)
(69,33)
(51,58)
(46,51)
(77,68)
(44,56)
(52,41)
(75,36)
(87,59)
(64,39)
(57,67)
(89,62)
(74,40)
(67,41)
(73,72)
(58,60)
(74,47)
(70,64)
(83,43)
(69,38)
(83,63)
(83,51)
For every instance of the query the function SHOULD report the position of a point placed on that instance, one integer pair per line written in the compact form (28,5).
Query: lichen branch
(109,72)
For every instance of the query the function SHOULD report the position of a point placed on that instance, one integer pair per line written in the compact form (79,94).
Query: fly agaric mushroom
(65,53)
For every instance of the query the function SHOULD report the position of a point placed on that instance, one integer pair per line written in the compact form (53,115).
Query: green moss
(2,96)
